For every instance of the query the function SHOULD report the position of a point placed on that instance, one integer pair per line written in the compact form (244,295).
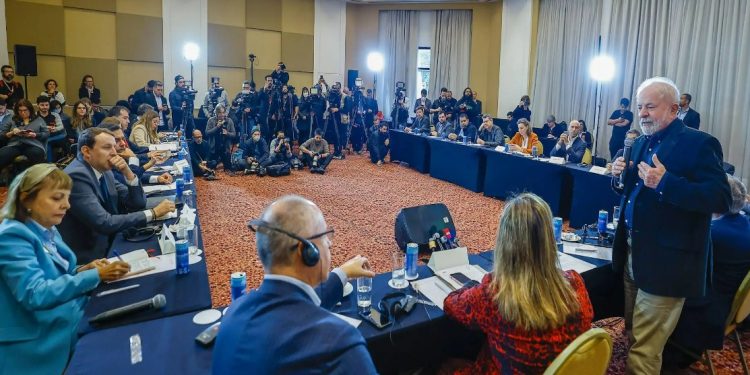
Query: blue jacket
(89,226)
(574,153)
(277,329)
(671,238)
(40,301)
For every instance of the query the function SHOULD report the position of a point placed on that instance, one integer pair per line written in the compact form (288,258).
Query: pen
(113,291)
(117,255)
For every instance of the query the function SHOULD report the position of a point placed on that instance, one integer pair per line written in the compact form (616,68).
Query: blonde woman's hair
(528,286)
(29,183)
(80,123)
(148,117)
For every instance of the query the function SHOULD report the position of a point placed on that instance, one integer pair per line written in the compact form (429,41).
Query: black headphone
(134,234)
(310,252)
(403,304)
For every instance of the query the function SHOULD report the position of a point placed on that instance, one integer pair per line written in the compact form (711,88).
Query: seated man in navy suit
(570,145)
(283,327)
(100,206)
(703,320)
(464,130)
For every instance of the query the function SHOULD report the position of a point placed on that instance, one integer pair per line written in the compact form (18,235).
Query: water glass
(364,293)
(398,273)
(615,216)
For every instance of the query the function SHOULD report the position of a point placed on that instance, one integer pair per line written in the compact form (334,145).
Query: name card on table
(598,170)
(444,259)
(179,164)
(166,240)
(556,160)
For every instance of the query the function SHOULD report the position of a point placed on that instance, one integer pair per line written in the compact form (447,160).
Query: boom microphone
(157,302)
(626,156)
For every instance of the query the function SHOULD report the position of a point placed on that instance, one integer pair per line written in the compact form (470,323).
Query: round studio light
(602,68)
(375,61)
(191,51)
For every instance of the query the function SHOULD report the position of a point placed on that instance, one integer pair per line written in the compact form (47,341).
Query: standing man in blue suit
(570,145)
(689,116)
(672,184)
(284,326)
(100,206)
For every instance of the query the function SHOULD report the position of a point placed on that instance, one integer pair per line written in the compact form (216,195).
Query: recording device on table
(155,303)
(391,307)
(602,235)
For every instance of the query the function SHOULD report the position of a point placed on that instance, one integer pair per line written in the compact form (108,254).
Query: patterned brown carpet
(360,200)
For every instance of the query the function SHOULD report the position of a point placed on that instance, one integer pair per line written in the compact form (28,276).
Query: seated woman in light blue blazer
(42,291)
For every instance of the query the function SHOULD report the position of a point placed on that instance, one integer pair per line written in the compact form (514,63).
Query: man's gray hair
(739,194)
(293,214)
(666,87)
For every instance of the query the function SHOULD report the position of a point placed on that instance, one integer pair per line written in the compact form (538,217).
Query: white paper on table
(167,146)
(162,263)
(598,252)
(568,262)
(168,215)
(162,168)
(166,241)
(433,288)
(471,271)
(354,322)
(156,188)
(598,170)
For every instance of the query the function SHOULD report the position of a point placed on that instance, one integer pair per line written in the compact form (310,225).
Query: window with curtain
(423,70)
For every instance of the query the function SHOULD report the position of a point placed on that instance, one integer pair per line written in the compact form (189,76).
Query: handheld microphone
(449,237)
(626,155)
(157,302)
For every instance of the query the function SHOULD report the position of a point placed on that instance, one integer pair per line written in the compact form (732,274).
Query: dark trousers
(343,138)
(322,162)
(382,153)
(264,162)
(35,154)
(221,154)
(331,133)
(305,129)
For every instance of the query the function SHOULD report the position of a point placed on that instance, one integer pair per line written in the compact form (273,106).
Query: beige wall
(119,42)
(362,37)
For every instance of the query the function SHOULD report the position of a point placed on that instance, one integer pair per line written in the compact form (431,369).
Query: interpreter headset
(401,304)
(308,250)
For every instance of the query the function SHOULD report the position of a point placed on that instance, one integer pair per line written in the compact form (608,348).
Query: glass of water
(398,273)
(615,216)
(364,293)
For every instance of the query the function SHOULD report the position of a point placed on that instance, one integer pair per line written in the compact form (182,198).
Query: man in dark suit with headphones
(283,326)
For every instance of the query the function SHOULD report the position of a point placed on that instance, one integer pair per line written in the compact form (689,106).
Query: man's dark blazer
(671,242)
(575,152)
(151,100)
(277,329)
(692,119)
(89,227)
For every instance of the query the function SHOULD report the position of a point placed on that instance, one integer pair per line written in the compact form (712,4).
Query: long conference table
(424,337)
(572,191)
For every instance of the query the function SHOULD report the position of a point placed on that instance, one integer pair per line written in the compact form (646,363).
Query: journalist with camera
(182,101)
(215,96)
(244,109)
(221,135)
(333,124)
(288,112)
(315,153)
(255,156)
(358,117)
(280,75)
(281,150)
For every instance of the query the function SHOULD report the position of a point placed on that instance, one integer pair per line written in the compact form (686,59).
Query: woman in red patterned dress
(528,308)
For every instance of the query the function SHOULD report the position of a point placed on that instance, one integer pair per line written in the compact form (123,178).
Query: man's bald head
(293,214)
(197,133)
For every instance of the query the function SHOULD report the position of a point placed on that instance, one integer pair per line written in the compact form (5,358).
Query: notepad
(138,260)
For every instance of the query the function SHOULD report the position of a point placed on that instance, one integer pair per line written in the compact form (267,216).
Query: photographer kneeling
(315,153)
(281,151)
(255,157)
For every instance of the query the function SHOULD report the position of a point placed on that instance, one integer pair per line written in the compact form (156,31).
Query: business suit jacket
(151,100)
(492,136)
(421,125)
(470,132)
(692,119)
(96,95)
(277,329)
(41,301)
(91,224)
(671,242)
(574,153)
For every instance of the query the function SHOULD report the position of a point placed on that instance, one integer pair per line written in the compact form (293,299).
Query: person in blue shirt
(284,326)
(42,289)
(571,146)
(620,121)
(464,130)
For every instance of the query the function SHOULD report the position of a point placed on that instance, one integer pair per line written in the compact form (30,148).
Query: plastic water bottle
(182,154)
(411,260)
(557,224)
(187,174)
(182,252)
(534,152)
(238,284)
(180,188)
(601,224)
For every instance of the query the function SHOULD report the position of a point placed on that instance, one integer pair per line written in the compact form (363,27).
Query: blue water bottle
(411,261)
(180,187)
(238,284)
(557,223)
(601,224)
(187,174)
(534,152)
(182,252)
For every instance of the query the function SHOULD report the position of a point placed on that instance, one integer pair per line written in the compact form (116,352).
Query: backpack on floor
(279,169)
(236,160)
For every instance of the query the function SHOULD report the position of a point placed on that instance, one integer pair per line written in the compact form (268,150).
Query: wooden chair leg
(741,353)
(711,369)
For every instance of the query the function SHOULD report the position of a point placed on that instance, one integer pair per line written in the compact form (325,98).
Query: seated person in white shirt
(570,145)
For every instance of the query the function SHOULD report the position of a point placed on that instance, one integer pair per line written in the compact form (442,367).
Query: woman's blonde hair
(528,285)
(80,123)
(147,118)
(29,183)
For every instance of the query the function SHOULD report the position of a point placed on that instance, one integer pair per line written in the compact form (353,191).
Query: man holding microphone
(671,182)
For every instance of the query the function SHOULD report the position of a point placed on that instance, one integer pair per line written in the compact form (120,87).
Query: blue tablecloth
(184,293)
(410,149)
(168,347)
(591,192)
(455,162)
(508,174)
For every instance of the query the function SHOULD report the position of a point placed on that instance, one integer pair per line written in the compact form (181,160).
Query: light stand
(375,63)
(191,51)
(251,57)
(601,69)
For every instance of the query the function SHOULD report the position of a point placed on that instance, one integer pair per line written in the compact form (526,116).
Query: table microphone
(626,156)
(157,302)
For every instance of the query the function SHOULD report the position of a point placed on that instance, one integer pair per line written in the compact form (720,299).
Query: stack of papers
(591,251)
(568,262)
(169,146)
(436,288)
(158,188)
